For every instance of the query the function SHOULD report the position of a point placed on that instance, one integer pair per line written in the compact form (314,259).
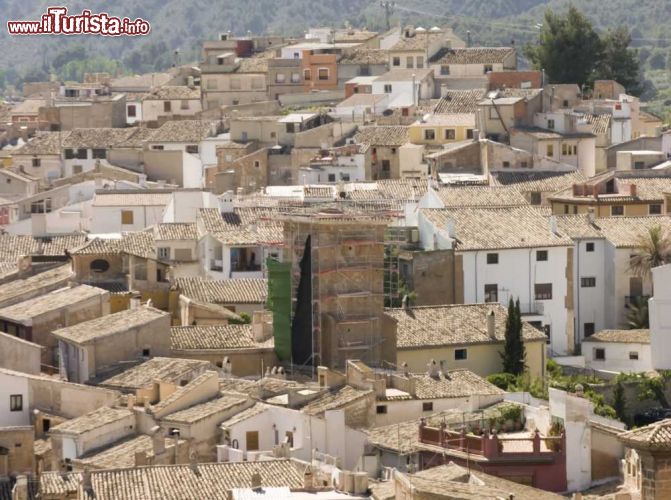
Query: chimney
(256,479)
(432,369)
(86,480)
(590,215)
(157,440)
(484,156)
(632,189)
(135,301)
(552,220)
(130,401)
(405,303)
(491,325)
(20,490)
(308,479)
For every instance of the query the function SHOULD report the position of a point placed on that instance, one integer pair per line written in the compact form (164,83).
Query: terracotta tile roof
(418,42)
(577,227)
(449,325)
(52,301)
(122,454)
(110,324)
(655,437)
(387,135)
(12,247)
(364,55)
(473,55)
(249,291)
(139,243)
(52,277)
(539,181)
(132,197)
(497,228)
(335,400)
(183,131)
(216,337)
(454,384)
(545,134)
(256,64)
(56,245)
(136,139)
(173,92)
(172,370)
(98,418)
(175,231)
(247,226)
(648,189)
(145,80)
(263,388)
(481,196)
(392,190)
(625,232)
(459,101)
(250,412)
(175,482)
(102,138)
(600,123)
(28,107)
(621,336)
(204,410)
(44,143)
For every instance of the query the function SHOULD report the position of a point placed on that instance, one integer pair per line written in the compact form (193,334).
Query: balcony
(635,300)
(534,308)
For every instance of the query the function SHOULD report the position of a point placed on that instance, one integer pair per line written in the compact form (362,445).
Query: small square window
(589,282)
(427,406)
(536,198)
(167,106)
(633,355)
(617,210)
(599,354)
(387,88)
(541,255)
(192,149)
(506,164)
(126,217)
(396,61)
(589,247)
(543,291)
(16,402)
(588,329)
(450,134)
(655,209)
(145,353)
(492,293)
(429,134)
(163,252)
(469,133)
(492,258)
(132,111)
(36,163)
(460,354)
(381,409)
(323,74)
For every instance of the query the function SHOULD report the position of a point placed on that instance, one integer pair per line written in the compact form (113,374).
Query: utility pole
(388,11)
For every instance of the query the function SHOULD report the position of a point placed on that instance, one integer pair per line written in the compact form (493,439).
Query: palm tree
(653,250)
(637,314)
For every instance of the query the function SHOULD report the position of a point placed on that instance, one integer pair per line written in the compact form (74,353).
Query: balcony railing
(635,300)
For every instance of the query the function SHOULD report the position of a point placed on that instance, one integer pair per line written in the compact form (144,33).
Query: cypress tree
(513,356)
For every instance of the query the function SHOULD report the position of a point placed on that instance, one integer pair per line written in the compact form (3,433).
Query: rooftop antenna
(388,11)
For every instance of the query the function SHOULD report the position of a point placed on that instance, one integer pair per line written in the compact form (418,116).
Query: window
(639,165)
(492,258)
(81,154)
(290,128)
(445,70)
(145,354)
(550,150)
(386,165)
(429,134)
(588,329)
(99,266)
(364,70)
(588,282)
(279,78)
(393,151)
(184,104)
(167,106)
(655,209)
(307,74)
(157,147)
(460,354)
(131,110)
(599,354)
(409,62)
(396,61)
(126,217)
(469,133)
(99,154)
(450,134)
(252,440)
(41,206)
(535,198)
(257,164)
(46,424)
(617,210)
(419,62)
(344,177)
(633,355)
(575,209)
(589,247)
(36,163)
(387,88)
(543,291)
(541,255)
(332,177)
(488,68)
(492,293)
(565,209)
(427,406)
(16,402)
(381,409)
(295,77)
(69,154)
(524,164)
(323,73)
(192,149)
(506,164)
(551,124)
(163,252)
(565,103)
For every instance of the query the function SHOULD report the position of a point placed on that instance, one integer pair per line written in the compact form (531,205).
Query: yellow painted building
(469,336)
(436,130)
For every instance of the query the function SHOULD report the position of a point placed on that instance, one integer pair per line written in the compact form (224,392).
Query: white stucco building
(660,318)
(625,351)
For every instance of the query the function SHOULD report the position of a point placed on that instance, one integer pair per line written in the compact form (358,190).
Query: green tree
(569,48)
(653,250)
(620,402)
(619,62)
(513,355)
(638,314)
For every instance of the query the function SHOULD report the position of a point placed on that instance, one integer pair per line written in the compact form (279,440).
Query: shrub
(505,381)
